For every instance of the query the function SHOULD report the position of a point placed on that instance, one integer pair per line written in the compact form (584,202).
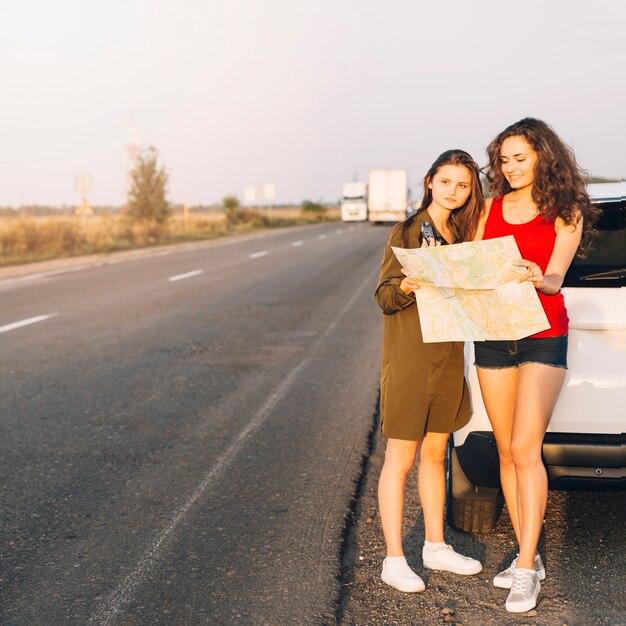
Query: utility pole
(83,186)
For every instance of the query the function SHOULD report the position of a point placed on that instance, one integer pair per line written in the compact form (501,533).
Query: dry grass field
(25,239)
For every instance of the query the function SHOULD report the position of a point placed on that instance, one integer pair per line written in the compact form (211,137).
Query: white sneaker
(504,579)
(397,574)
(524,591)
(445,559)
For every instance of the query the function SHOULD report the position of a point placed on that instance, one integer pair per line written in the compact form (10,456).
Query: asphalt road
(182,431)
(185,440)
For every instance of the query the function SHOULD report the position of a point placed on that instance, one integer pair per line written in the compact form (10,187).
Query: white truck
(354,202)
(387,199)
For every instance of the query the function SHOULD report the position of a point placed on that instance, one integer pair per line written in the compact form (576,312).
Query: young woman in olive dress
(424,396)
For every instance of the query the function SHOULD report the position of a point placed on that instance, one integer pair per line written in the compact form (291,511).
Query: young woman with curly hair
(540,198)
(423,396)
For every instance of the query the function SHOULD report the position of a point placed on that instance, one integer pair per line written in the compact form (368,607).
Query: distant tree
(147,200)
(230,203)
(232,209)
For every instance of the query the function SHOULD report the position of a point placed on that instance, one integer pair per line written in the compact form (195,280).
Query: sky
(302,94)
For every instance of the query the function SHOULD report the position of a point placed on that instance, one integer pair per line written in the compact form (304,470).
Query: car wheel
(469,508)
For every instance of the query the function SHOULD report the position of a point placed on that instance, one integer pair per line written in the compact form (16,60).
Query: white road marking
(295,244)
(183,276)
(131,260)
(338,231)
(76,268)
(26,322)
(258,255)
(123,594)
(321,237)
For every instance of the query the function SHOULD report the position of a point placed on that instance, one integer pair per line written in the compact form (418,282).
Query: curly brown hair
(465,218)
(559,188)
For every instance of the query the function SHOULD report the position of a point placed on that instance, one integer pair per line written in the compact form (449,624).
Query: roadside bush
(313,207)
(237,217)
(253,219)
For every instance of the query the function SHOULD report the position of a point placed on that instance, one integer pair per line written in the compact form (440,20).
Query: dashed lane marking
(31,320)
(183,276)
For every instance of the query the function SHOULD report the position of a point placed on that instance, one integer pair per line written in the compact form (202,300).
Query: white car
(584,444)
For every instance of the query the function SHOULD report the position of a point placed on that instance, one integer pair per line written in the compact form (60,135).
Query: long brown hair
(559,188)
(465,218)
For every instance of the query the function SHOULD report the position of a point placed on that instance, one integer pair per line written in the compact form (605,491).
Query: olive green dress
(422,386)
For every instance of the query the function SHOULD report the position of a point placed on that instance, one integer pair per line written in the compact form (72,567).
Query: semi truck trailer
(387,198)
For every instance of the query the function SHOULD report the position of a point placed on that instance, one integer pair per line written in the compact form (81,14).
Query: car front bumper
(573,460)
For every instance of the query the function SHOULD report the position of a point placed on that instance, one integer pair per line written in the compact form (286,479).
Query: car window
(605,264)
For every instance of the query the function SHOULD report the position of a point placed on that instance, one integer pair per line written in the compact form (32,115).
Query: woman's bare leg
(432,483)
(538,388)
(498,389)
(399,459)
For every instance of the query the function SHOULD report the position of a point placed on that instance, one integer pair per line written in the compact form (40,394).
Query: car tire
(469,508)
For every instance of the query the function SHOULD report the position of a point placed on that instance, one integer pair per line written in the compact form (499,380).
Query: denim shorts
(502,354)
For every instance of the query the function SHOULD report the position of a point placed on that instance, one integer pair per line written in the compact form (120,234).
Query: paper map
(470,291)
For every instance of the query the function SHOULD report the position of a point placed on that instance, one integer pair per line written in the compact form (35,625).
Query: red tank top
(535,240)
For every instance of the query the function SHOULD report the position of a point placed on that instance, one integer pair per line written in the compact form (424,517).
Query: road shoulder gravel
(569,597)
